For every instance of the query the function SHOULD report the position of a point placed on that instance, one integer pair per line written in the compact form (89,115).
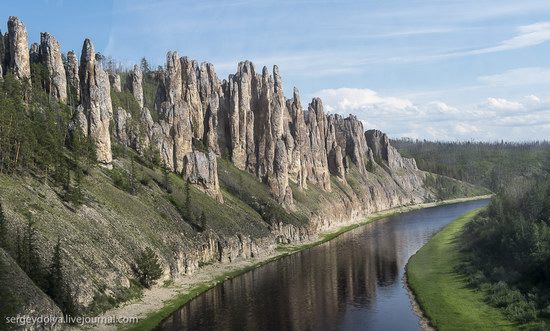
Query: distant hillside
(491,165)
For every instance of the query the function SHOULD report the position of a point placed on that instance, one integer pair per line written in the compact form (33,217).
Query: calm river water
(353,282)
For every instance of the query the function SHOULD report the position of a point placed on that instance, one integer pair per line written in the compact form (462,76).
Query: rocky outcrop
(215,121)
(18,45)
(50,55)
(73,79)
(191,98)
(202,170)
(115,81)
(173,133)
(34,53)
(135,80)
(96,102)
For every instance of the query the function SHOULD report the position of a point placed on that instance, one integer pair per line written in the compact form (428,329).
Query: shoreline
(160,302)
(441,298)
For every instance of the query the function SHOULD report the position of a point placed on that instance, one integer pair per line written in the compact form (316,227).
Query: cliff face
(18,49)
(96,103)
(282,171)
(50,55)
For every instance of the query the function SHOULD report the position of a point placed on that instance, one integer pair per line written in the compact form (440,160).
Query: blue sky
(433,69)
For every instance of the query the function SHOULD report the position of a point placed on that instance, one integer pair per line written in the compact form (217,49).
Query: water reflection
(351,283)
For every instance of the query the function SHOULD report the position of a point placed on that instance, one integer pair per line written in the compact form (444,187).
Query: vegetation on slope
(491,165)
(508,252)
(442,293)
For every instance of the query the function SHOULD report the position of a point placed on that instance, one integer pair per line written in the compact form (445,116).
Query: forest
(507,247)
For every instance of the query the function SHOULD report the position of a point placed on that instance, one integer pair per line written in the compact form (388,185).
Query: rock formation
(96,103)
(173,133)
(211,94)
(191,98)
(135,85)
(116,84)
(202,170)
(72,76)
(50,55)
(34,53)
(18,45)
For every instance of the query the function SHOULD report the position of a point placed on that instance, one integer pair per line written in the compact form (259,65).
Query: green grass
(443,294)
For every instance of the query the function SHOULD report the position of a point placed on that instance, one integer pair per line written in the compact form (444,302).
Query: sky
(449,70)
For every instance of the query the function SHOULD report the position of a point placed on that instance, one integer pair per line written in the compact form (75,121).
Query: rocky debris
(201,170)
(73,79)
(96,102)
(135,85)
(114,80)
(50,56)
(18,45)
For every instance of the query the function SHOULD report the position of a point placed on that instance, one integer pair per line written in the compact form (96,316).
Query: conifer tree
(3,229)
(55,276)
(148,268)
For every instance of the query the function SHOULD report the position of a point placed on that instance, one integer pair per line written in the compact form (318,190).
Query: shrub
(500,295)
(522,311)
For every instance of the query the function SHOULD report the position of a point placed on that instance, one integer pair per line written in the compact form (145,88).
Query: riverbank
(443,296)
(159,303)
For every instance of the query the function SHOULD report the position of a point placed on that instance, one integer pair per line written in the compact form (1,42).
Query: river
(353,282)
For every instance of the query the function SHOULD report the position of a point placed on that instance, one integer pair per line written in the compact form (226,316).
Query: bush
(477,279)
(500,295)
(522,311)
(147,268)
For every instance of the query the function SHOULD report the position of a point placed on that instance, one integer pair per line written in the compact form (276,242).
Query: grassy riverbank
(216,274)
(444,295)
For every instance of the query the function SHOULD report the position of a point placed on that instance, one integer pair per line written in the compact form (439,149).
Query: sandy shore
(157,298)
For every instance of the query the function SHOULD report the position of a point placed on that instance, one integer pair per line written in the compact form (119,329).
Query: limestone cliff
(73,79)
(18,49)
(50,55)
(96,103)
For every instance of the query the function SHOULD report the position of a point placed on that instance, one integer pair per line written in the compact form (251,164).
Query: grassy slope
(443,294)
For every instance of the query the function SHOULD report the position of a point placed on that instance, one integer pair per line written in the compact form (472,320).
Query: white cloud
(529,35)
(519,76)
(345,99)
(492,119)
(501,104)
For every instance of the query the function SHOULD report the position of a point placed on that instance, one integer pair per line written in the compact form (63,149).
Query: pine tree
(188,215)
(132,176)
(165,178)
(202,221)
(18,249)
(3,229)
(31,259)
(56,288)
(147,268)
